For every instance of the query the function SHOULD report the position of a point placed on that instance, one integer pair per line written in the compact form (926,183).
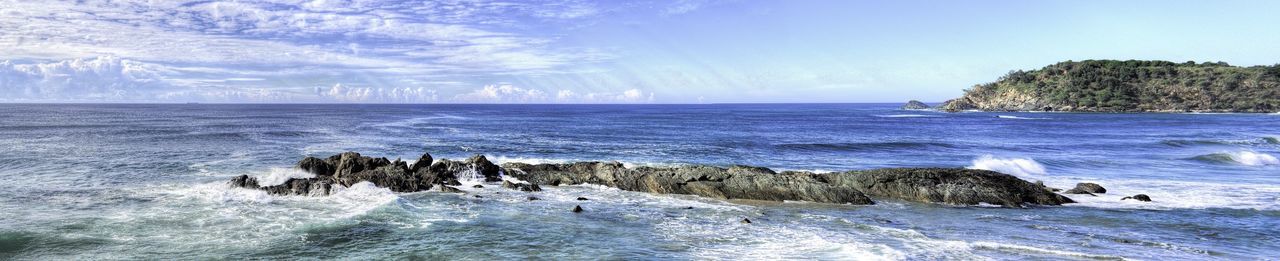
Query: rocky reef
(1128,86)
(349,168)
(956,186)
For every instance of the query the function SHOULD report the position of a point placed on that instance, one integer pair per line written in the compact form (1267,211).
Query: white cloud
(511,94)
(97,79)
(342,93)
(502,94)
(279,50)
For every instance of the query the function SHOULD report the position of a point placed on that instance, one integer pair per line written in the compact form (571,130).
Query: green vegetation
(1116,86)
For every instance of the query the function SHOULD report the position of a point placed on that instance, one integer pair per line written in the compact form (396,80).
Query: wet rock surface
(931,185)
(1087,188)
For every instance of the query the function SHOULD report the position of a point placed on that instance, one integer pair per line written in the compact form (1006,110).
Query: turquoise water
(148,182)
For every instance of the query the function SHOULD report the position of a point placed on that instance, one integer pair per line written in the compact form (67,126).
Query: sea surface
(122,181)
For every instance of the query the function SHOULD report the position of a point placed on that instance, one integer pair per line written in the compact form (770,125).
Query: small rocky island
(915,105)
(1129,86)
(955,186)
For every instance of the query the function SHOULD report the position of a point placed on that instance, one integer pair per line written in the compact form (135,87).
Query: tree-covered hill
(1129,86)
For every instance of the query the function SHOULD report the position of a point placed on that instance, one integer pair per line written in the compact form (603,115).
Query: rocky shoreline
(954,186)
(1128,86)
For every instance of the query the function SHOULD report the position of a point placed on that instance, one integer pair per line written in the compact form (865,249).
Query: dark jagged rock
(915,105)
(577,209)
(350,168)
(746,221)
(244,181)
(582,199)
(477,166)
(734,183)
(316,166)
(521,186)
(423,162)
(948,185)
(1086,188)
(296,186)
(1139,197)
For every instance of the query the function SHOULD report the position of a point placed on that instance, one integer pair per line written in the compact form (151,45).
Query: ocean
(140,181)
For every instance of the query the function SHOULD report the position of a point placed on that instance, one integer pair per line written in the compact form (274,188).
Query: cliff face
(1129,86)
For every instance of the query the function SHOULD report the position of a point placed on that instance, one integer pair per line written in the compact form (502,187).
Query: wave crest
(1021,167)
(1244,157)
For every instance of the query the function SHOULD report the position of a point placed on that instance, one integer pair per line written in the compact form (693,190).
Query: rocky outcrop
(1086,188)
(713,182)
(932,185)
(947,185)
(349,168)
(915,105)
(1128,86)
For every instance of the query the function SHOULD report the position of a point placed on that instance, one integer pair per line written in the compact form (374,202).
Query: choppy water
(147,182)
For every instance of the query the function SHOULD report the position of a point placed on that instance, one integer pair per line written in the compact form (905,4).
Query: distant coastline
(1128,86)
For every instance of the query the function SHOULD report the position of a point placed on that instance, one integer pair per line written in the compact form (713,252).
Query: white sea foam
(1251,158)
(361,197)
(1168,194)
(1022,167)
(1019,118)
(907,116)
(277,176)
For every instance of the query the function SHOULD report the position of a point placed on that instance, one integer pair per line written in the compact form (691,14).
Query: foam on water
(277,176)
(907,116)
(1019,118)
(1167,194)
(1022,167)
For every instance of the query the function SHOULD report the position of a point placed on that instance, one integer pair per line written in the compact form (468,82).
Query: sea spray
(1021,167)
(277,176)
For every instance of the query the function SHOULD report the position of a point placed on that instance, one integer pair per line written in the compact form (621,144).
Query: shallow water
(148,182)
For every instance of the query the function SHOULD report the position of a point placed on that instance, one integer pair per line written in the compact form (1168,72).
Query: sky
(570,51)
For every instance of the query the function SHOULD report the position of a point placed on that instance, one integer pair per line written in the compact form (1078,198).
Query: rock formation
(932,185)
(1128,86)
(1086,188)
(915,105)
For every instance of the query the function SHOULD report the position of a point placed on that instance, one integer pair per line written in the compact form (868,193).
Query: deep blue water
(148,182)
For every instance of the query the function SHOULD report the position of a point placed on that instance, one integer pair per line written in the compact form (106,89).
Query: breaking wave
(1021,167)
(1244,157)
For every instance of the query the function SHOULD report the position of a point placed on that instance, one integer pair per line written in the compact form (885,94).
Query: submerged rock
(450,189)
(1087,188)
(1139,197)
(915,105)
(521,186)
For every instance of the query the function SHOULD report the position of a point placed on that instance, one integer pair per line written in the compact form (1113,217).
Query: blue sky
(567,51)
